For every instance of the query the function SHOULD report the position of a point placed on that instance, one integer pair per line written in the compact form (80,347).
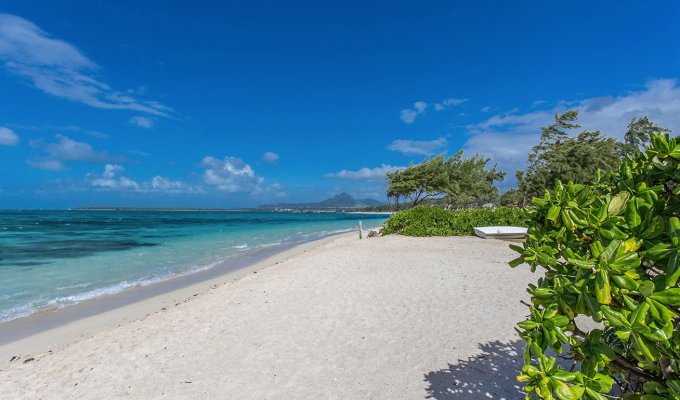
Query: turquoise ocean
(52,259)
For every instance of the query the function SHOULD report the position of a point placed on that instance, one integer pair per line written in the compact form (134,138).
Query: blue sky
(244,103)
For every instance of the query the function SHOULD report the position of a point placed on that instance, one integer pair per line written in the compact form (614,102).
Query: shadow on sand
(487,375)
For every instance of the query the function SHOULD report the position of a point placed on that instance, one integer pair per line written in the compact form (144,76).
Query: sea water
(51,259)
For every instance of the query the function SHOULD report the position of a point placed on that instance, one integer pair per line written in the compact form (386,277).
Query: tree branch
(626,365)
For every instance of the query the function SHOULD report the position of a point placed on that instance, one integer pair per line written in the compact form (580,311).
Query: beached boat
(501,232)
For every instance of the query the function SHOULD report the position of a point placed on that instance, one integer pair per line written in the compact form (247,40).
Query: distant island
(341,201)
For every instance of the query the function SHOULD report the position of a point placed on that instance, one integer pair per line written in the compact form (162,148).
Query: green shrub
(609,252)
(435,221)
(466,220)
(421,221)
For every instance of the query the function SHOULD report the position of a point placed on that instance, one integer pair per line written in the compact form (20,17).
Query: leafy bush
(466,220)
(434,221)
(421,221)
(610,252)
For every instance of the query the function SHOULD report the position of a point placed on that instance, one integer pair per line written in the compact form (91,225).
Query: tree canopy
(454,178)
(560,156)
(638,134)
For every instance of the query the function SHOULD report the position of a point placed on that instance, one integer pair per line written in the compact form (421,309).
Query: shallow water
(56,258)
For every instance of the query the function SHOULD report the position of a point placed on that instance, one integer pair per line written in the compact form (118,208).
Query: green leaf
(624,282)
(654,229)
(657,335)
(673,269)
(566,220)
(632,216)
(646,288)
(602,383)
(675,153)
(654,388)
(593,395)
(518,249)
(553,213)
(670,297)
(610,251)
(528,325)
(596,248)
(658,251)
(613,233)
(615,318)
(602,288)
(517,261)
(563,391)
(637,317)
(674,228)
(585,264)
(618,203)
(641,348)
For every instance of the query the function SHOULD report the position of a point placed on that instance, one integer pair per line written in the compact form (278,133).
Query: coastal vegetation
(451,179)
(609,252)
(458,183)
(436,221)
(575,158)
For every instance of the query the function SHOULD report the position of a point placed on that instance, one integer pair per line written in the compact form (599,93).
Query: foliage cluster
(610,252)
(455,178)
(435,221)
(561,156)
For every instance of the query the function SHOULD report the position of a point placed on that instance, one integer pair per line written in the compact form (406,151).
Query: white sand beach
(380,318)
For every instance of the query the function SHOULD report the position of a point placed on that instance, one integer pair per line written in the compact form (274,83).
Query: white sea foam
(76,286)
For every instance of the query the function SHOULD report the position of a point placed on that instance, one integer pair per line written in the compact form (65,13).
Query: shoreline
(387,317)
(45,330)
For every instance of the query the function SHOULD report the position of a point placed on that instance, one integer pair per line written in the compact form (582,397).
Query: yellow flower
(632,244)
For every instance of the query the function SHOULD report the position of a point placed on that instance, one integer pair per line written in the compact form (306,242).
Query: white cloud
(270,157)
(485,109)
(112,179)
(46,164)
(408,115)
(364,173)
(67,149)
(230,174)
(447,103)
(508,138)
(141,122)
(109,179)
(420,106)
(58,68)
(139,153)
(160,183)
(415,147)
(110,170)
(8,137)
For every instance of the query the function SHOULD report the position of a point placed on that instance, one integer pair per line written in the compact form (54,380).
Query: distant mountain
(343,200)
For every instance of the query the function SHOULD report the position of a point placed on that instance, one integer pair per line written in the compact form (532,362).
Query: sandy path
(381,318)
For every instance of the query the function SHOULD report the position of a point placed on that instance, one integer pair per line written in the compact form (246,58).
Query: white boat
(501,232)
